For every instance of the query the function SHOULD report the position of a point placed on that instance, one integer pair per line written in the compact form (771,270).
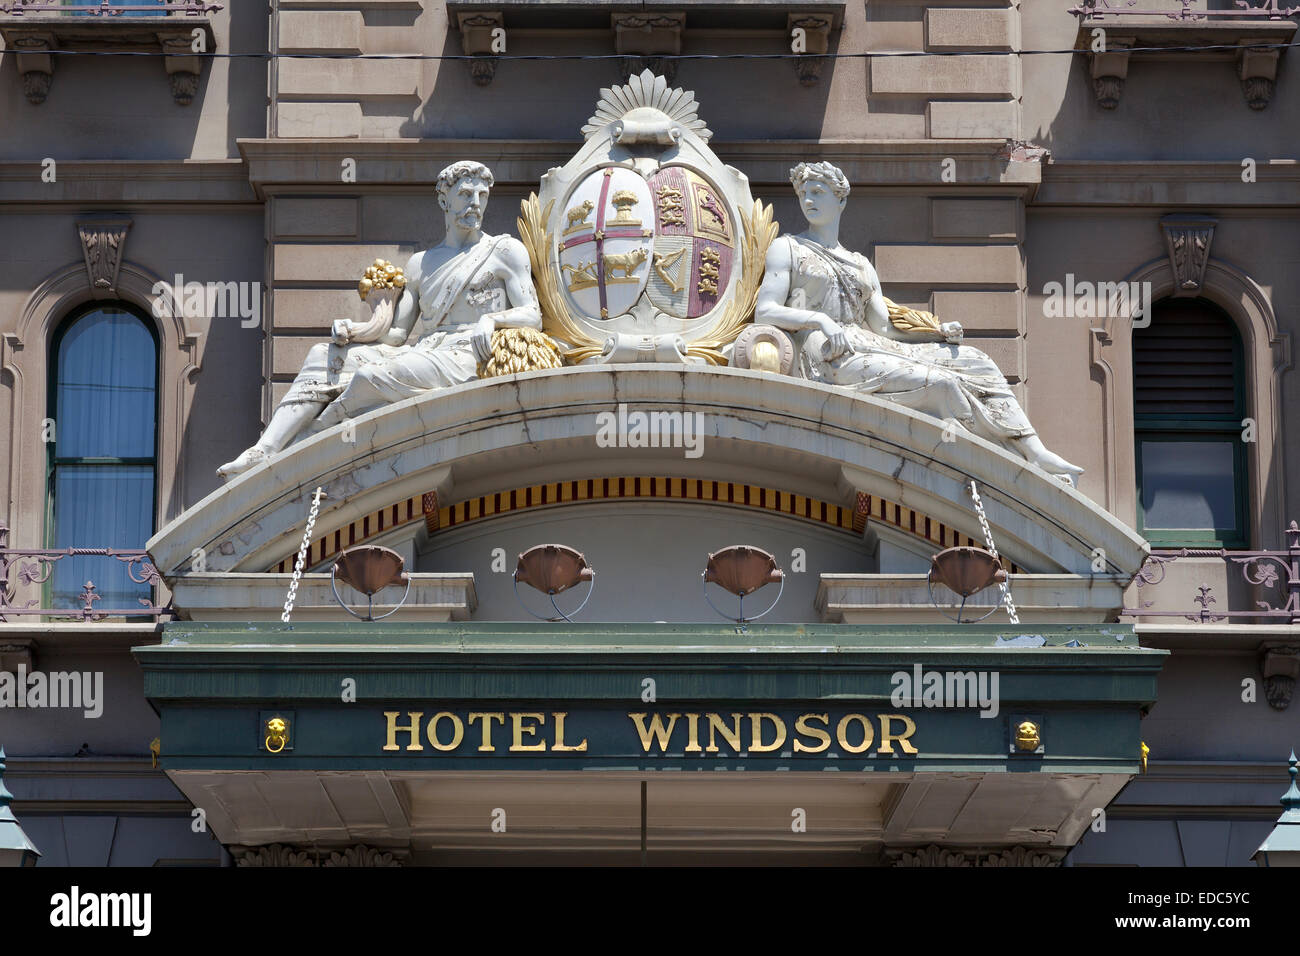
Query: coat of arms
(645,246)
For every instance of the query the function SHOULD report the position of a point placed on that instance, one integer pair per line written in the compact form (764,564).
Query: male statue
(457,293)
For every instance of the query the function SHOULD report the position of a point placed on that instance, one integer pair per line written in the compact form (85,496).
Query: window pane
(100,506)
(1188,485)
(105,406)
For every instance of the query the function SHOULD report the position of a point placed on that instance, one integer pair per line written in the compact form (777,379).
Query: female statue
(848,334)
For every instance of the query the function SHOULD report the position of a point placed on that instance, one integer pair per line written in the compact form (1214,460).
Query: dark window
(102,464)
(1189,409)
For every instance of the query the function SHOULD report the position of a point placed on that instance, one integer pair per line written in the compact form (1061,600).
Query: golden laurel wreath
(760,230)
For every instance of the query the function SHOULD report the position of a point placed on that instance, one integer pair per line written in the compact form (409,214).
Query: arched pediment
(412,464)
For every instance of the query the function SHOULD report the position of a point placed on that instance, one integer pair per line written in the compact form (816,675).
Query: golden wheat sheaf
(520,350)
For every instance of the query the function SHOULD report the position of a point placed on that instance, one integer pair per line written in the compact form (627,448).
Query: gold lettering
(657,728)
(531,731)
(413,728)
(487,727)
(693,741)
(886,747)
(801,727)
(559,734)
(756,745)
(731,736)
(457,734)
(867,733)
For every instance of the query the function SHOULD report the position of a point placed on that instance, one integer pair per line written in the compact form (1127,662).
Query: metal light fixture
(15,848)
(1282,846)
(742,569)
(369,569)
(553,569)
(965,572)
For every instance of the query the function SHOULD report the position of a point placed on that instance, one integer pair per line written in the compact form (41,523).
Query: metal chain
(1004,586)
(302,554)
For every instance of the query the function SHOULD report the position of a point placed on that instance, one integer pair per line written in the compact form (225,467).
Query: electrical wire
(865,55)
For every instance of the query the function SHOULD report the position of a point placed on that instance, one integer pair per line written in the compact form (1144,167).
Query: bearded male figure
(849,334)
(456,294)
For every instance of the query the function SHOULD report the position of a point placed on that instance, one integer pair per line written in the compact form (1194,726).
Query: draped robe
(955,382)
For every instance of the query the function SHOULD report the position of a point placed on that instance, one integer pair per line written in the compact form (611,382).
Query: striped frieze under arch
(437,517)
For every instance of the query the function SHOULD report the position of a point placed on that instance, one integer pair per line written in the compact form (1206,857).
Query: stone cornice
(276,163)
(93,181)
(1169,183)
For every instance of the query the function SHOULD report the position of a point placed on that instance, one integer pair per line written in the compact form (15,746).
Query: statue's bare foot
(1032,447)
(253,456)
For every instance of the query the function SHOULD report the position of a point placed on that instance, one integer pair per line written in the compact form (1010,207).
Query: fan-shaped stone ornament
(645,246)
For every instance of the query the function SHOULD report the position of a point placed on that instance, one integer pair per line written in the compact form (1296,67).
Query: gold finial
(1145,750)
(155,751)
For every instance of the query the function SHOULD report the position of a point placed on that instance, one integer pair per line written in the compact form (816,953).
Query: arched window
(101,474)
(1189,405)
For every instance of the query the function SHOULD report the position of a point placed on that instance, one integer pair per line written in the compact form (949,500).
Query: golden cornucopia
(381,274)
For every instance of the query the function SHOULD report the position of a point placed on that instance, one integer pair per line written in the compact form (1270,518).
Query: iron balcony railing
(190,8)
(1260,569)
(1182,10)
(23,570)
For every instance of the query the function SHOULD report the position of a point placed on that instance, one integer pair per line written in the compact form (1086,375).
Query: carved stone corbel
(645,39)
(1109,71)
(362,855)
(35,65)
(103,242)
(1257,68)
(816,41)
(278,854)
(182,68)
(934,855)
(1280,666)
(1188,240)
(479,39)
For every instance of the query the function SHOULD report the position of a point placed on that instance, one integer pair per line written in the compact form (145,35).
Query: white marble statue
(830,298)
(457,293)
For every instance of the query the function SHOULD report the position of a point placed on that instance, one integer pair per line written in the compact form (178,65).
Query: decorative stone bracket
(934,855)
(103,243)
(1188,240)
(1280,666)
(646,38)
(479,38)
(278,854)
(1255,63)
(816,38)
(33,37)
(649,37)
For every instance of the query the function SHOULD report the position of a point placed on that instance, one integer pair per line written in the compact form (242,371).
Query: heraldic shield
(645,246)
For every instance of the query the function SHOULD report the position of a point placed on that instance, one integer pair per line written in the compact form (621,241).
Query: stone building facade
(1011,174)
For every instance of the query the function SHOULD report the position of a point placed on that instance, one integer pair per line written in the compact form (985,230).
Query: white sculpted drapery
(830,298)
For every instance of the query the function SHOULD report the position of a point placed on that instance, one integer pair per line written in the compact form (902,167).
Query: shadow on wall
(739,99)
(121,107)
(1181,109)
